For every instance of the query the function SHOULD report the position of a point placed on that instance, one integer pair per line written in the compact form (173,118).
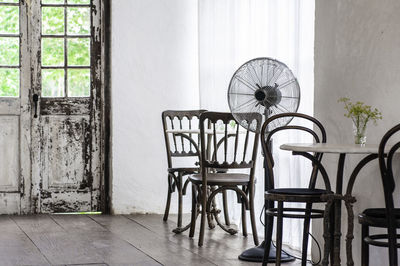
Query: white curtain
(232,32)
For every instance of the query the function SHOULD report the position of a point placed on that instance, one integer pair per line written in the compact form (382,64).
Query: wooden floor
(111,240)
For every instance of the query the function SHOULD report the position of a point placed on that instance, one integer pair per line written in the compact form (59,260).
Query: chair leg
(244,223)
(166,212)
(179,185)
(203,214)
(194,212)
(392,242)
(364,246)
(279,225)
(252,216)
(268,221)
(332,230)
(225,204)
(305,234)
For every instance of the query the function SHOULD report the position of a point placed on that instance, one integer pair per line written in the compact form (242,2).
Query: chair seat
(298,191)
(377,217)
(380,212)
(222,179)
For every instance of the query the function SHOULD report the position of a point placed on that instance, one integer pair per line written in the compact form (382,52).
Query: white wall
(154,68)
(357,54)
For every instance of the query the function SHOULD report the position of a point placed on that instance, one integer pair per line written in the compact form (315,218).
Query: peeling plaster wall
(357,54)
(154,68)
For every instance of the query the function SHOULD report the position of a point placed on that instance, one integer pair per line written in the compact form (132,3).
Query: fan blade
(275,76)
(239,93)
(287,83)
(246,83)
(245,104)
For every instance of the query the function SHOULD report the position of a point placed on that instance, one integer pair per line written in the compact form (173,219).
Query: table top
(331,148)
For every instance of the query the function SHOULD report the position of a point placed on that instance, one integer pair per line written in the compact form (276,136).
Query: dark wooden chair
(388,217)
(307,195)
(223,150)
(182,145)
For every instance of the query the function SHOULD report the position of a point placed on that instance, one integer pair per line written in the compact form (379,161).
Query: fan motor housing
(268,96)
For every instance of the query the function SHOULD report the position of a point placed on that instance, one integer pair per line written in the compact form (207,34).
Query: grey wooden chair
(307,195)
(223,150)
(180,145)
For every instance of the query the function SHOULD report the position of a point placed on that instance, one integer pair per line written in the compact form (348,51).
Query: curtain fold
(232,32)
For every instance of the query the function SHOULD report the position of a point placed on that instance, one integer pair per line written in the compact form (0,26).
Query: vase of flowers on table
(360,114)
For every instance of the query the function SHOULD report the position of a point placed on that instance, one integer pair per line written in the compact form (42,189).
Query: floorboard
(113,240)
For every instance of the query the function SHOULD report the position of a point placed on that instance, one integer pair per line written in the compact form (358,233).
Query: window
(9,48)
(66,48)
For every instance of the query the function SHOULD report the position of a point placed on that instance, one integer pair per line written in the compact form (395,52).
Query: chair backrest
(227,145)
(318,134)
(387,150)
(181,144)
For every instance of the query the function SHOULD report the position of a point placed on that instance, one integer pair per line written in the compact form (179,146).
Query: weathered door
(55,123)
(66,169)
(15,117)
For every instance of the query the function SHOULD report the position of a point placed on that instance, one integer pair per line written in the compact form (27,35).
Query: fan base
(256,254)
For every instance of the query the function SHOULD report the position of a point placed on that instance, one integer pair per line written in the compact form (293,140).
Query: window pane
(52,82)
(79,82)
(78,20)
(9,19)
(52,52)
(53,20)
(79,52)
(52,1)
(9,51)
(10,1)
(82,2)
(9,82)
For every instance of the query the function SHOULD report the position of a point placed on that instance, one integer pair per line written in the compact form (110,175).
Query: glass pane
(9,82)
(52,82)
(78,82)
(79,52)
(9,51)
(78,20)
(53,2)
(79,2)
(52,51)
(9,19)
(53,20)
(10,1)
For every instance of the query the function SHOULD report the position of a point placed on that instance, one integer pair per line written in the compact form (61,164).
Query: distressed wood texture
(67,173)
(15,135)
(112,240)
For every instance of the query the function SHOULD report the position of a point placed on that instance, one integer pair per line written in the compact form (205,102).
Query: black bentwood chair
(225,148)
(388,217)
(308,195)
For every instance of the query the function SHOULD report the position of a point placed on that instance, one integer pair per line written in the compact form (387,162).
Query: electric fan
(266,86)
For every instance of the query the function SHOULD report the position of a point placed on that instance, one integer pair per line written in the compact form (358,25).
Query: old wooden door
(60,106)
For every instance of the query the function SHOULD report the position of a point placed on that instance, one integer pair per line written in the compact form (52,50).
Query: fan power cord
(287,253)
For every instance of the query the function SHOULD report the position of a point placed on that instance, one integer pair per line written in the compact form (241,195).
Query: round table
(371,152)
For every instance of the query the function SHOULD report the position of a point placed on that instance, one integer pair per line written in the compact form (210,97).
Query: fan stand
(256,254)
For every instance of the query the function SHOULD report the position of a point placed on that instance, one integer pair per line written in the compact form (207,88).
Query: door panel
(15,117)
(66,134)
(9,153)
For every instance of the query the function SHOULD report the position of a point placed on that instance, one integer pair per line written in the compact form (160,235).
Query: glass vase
(359,129)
